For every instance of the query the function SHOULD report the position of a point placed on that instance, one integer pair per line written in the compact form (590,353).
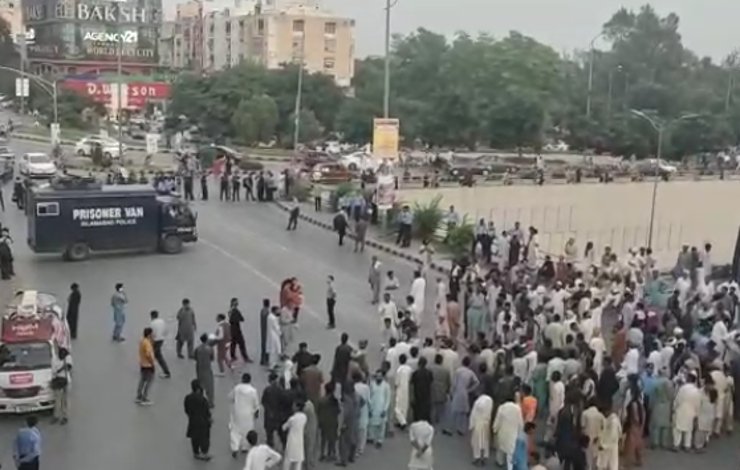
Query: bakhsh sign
(135,95)
(120,13)
(108,216)
(385,138)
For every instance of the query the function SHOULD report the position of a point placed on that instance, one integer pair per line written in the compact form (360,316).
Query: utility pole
(299,97)
(119,64)
(387,69)
(22,45)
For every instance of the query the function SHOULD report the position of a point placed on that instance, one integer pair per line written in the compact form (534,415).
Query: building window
(330,46)
(260,27)
(298,26)
(329,63)
(330,28)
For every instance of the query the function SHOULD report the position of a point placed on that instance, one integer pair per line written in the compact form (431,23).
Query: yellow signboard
(385,138)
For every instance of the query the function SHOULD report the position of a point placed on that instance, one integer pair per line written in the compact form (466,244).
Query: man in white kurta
(245,403)
(260,456)
(274,346)
(418,292)
(611,432)
(294,447)
(421,434)
(480,428)
(685,408)
(506,428)
(403,383)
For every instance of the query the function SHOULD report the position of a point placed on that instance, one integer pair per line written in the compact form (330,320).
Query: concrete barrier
(616,215)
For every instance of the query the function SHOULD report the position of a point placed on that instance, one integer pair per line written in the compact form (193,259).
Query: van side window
(47,209)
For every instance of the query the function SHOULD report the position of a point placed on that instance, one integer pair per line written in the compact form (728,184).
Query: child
(705,421)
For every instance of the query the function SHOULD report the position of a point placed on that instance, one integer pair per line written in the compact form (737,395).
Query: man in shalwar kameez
(506,428)
(380,399)
(480,429)
(245,405)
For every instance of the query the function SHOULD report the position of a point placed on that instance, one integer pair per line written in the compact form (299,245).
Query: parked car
(359,161)
(460,167)
(210,153)
(652,167)
(330,173)
(37,165)
(84,146)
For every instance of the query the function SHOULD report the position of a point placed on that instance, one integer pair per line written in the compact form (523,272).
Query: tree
(309,127)
(255,120)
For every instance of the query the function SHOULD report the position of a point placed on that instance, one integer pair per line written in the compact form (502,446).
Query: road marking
(240,261)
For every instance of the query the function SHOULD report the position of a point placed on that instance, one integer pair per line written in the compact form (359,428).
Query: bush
(460,239)
(428,218)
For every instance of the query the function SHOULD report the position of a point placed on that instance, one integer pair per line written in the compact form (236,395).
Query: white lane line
(248,267)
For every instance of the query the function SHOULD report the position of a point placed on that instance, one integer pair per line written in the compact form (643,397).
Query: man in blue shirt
(27,446)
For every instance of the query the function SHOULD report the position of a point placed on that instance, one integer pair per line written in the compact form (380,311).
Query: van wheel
(171,244)
(77,252)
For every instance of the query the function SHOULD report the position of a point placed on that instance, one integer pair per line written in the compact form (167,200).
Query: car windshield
(38,159)
(25,356)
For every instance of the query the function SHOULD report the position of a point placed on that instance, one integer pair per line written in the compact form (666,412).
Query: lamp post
(299,97)
(592,53)
(659,127)
(387,60)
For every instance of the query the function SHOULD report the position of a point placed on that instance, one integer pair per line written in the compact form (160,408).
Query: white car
(37,165)
(84,146)
(558,146)
(359,161)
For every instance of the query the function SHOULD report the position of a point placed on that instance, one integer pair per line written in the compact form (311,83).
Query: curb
(390,249)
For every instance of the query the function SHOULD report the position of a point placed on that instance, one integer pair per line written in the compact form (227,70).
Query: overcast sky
(708,27)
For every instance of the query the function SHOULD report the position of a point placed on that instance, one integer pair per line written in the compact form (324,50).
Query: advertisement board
(386,138)
(385,191)
(135,95)
(90,31)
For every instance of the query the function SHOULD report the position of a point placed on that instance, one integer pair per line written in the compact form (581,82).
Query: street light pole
(299,98)
(119,66)
(592,53)
(660,128)
(387,62)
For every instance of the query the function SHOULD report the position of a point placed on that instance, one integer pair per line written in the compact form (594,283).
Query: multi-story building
(10,11)
(272,34)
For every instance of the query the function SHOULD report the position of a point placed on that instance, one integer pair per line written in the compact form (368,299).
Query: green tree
(309,127)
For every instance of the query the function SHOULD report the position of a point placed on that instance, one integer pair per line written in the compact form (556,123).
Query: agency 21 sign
(126,37)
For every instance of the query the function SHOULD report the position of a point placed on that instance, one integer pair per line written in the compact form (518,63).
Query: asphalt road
(244,252)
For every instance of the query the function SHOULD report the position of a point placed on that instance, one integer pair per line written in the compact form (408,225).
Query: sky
(708,27)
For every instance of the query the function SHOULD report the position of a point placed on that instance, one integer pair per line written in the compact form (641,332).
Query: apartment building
(271,33)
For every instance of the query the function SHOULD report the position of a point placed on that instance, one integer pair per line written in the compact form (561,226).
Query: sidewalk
(375,238)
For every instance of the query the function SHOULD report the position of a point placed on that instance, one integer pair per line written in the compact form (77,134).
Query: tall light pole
(387,63)
(299,97)
(592,53)
(660,127)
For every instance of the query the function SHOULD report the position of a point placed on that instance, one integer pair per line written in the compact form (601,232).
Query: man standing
(418,292)
(374,277)
(295,427)
(260,456)
(441,382)
(203,372)
(464,383)
(73,309)
(403,384)
(686,410)
(274,334)
(295,212)
(237,338)
(204,186)
(118,301)
(311,435)
(360,234)
(222,338)
(264,318)
(405,220)
(342,356)
(159,332)
(186,328)
(245,405)
(380,397)
(506,428)
(198,412)
(480,429)
(348,427)
(608,457)
(272,401)
(27,446)
(146,366)
(421,434)
(340,225)
(421,385)
(331,301)
(60,386)
(312,380)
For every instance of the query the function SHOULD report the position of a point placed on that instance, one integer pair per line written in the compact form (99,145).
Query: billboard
(385,138)
(87,31)
(134,94)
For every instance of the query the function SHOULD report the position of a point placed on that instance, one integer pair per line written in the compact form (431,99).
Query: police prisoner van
(75,217)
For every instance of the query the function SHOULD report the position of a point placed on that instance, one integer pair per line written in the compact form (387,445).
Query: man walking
(27,446)
(421,386)
(360,234)
(60,387)
(203,371)
(146,367)
(159,332)
(373,278)
(198,412)
(118,301)
(295,211)
(340,225)
(405,220)
(237,338)
(331,301)
(186,328)
(73,309)
(264,318)
(245,405)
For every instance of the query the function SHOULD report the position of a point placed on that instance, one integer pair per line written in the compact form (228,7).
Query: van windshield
(25,356)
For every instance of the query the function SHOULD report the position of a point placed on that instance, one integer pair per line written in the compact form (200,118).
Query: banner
(385,195)
(386,138)
(135,95)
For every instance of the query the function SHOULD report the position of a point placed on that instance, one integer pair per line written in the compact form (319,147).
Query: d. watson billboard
(89,31)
